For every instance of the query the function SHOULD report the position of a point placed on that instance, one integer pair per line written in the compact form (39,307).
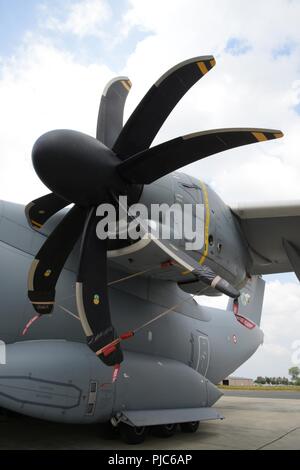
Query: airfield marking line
(278,438)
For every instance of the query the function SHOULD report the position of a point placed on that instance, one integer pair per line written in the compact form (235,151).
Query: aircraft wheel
(166,430)
(108,431)
(132,434)
(189,427)
(3,415)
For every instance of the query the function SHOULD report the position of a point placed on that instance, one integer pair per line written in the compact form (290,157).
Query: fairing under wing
(272,232)
(250,303)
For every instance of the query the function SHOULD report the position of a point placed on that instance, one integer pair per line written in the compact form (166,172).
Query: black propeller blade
(92,293)
(150,165)
(110,119)
(50,260)
(39,211)
(145,122)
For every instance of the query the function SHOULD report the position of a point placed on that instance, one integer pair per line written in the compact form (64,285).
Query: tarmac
(251,422)
(263,394)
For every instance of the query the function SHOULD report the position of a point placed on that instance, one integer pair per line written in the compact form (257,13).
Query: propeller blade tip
(278,134)
(126,84)
(206,65)
(31,222)
(264,135)
(213,62)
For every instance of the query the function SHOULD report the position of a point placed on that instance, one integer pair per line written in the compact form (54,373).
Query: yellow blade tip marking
(278,135)
(260,136)
(202,67)
(127,84)
(213,62)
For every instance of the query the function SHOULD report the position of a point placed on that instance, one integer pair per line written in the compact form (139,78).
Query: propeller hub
(76,166)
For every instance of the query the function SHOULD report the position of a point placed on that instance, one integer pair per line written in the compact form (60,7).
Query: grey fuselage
(208,343)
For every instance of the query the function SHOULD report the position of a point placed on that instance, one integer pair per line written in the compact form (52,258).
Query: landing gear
(137,435)
(132,434)
(108,431)
(166,430)
(190,427)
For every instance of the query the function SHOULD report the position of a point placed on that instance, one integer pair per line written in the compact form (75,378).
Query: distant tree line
(294,372)
(272,381)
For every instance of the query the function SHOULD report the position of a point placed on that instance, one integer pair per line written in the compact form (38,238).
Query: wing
(272,232)
(110,118)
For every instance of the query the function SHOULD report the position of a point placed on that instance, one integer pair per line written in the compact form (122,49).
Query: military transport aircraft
(153,355)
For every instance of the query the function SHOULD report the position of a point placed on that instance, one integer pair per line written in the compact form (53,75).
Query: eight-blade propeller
(86,172)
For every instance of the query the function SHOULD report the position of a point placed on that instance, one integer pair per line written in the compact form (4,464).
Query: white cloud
(82,18)
(251,89)
(42,88)
(216,302)
(281,325)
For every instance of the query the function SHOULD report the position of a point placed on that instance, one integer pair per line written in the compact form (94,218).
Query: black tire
(189,427)
(108,431)
(132,434)
(3,415)
(166,430)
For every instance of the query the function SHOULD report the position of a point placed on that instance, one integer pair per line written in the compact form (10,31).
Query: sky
(56,56)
